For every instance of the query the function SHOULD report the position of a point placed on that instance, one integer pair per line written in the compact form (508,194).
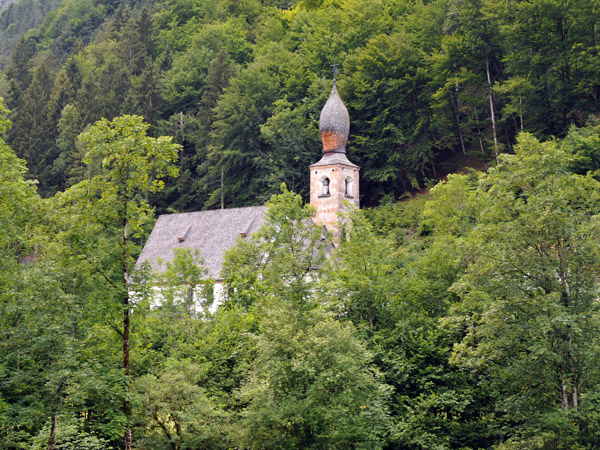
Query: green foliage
(434,404)
(288,130)
(71,23)
(361,275)
(529,307)
(464,319)
(17,20)
(453,208)
(281,257)
(584,144)
(311,386)
(18,216)
(17,198)
(173,412)
(422,80)
(18,72)
(69,435)
(553,51)
(184,282)
(132,164)
(33,132)
(131,161)
(395,144)
(69,164)
(245,105)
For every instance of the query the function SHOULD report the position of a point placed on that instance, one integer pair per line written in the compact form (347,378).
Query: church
(333,180)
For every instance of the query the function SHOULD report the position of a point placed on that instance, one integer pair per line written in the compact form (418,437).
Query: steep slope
(239,84)
(5,4)
(17,17)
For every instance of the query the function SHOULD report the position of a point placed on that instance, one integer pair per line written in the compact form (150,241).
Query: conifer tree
(19,73)
(33,132)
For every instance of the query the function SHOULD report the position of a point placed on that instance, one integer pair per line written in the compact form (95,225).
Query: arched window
(325,186)
(349,187)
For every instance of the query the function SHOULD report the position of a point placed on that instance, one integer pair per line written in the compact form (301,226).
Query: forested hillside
(464,318)
(17,20)
(5,4)
(240,84)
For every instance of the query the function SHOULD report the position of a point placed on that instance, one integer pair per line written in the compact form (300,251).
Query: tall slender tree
(133,165)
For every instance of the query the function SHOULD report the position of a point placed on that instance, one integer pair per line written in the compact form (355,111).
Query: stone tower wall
(328,206)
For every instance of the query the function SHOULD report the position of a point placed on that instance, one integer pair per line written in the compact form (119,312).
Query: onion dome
(334,124)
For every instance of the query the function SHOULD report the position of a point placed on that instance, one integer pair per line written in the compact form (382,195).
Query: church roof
(211,232)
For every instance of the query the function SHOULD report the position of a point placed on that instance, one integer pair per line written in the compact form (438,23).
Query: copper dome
(334,124)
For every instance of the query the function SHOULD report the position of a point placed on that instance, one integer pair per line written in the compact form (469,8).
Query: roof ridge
(216,210)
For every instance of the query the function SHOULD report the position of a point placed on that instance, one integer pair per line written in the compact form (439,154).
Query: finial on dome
(334,123)
(335,71)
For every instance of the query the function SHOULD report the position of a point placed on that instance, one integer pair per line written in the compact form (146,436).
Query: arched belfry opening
(325,190)
(333,179)
(348,187)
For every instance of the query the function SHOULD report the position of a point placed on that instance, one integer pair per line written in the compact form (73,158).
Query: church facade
(334,180)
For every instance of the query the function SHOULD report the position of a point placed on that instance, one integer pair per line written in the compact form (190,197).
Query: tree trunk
(573,367)
(126,403)
(53,408)
(433,169)
(52,430)
(71,313)
(508,146)
(566,300)
(222,189)
(181,122)
(480,139)
(455,112)
(521,110)
(564,392)
(491,95)
(126,326)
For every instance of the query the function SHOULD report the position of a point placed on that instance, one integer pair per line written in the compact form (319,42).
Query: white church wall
(198,301)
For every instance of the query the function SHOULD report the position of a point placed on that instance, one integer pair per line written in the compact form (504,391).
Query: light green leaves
(529,306)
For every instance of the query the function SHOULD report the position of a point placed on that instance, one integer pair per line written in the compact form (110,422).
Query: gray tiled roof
(211,232)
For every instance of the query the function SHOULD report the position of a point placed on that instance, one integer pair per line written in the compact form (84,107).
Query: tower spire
(333,179)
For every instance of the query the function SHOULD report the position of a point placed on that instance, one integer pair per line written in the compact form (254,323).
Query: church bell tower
(334,179)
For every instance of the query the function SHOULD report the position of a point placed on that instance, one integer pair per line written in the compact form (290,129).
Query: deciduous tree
(529,306)
(133,165)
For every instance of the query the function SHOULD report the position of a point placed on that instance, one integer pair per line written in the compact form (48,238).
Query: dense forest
(239,84)
(466,317)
